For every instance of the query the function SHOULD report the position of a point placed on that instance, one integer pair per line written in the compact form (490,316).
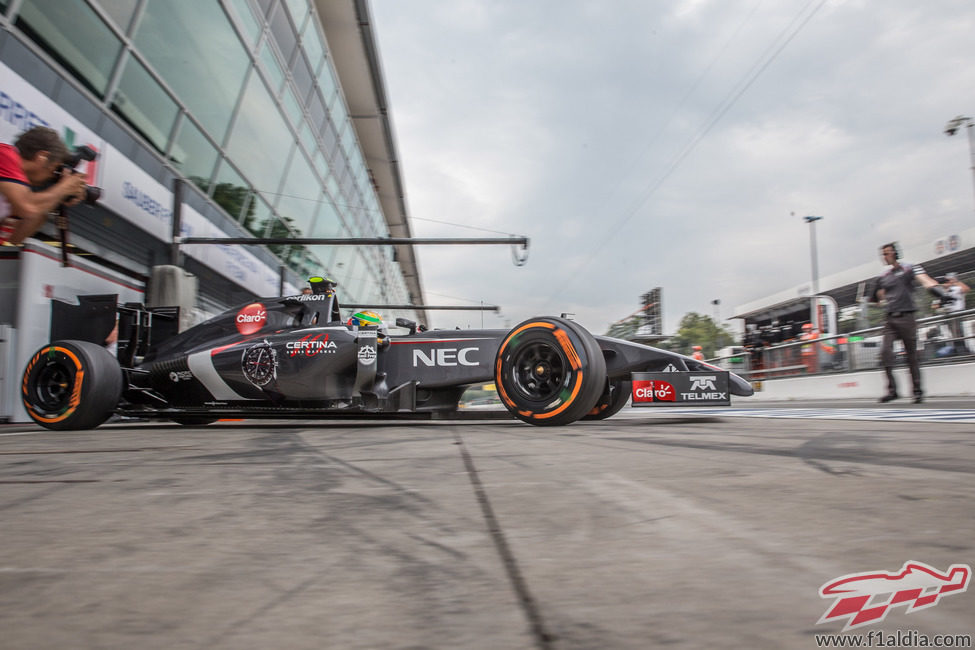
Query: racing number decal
(565,344)
(52,352)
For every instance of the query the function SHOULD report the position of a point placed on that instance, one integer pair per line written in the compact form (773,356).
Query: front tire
(549,371)
(71,385)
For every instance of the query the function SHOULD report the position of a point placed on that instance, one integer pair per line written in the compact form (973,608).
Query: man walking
(896,286)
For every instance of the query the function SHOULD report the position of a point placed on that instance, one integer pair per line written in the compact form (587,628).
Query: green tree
(695,329)
(625,329)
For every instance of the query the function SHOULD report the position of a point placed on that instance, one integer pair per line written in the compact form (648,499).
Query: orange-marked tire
(549,371)
(71,385)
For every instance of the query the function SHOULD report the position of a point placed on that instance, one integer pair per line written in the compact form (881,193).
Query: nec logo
(444,357)
(649,391)
(703,383)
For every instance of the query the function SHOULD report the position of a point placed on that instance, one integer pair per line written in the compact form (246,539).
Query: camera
(92,194)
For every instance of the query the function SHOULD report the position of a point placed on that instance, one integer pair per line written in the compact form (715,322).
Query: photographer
(33,160)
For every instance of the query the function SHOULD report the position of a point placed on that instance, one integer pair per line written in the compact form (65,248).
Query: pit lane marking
(914,415)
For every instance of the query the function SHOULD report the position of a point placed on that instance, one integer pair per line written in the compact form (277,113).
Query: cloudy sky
(676,143)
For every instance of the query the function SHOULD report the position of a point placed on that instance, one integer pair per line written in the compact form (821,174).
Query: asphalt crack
(544,639)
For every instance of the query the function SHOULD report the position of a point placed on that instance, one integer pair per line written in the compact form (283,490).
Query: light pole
(951,128)
(815,269)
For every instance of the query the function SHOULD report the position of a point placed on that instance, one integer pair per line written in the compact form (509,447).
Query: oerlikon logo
(251,318)
(645,390)
(865,598)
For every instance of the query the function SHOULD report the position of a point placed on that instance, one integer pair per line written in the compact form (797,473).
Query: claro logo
(653,391)
(251,318)
(444,357)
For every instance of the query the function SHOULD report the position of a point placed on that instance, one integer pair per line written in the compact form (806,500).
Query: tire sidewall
(95,385)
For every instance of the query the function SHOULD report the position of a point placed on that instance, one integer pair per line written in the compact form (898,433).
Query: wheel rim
(53,387)
(540,371)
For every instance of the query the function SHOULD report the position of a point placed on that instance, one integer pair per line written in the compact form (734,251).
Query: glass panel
(307,138)
(327,224)
(300,194)
(301,75)
(145,105)
(316,111)
(299,9)
(193,47)
(71,32)
(250,23)
(260,141)
(291,104)
(321,164)
(283,34)
(232,193)
(193,154)
(311,42)
(258,216)
(120,11)
(326,81)
(270,62)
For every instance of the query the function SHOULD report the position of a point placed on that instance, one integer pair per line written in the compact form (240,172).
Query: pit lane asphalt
(644,530)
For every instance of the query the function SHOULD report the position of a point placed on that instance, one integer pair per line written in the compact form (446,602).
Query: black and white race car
(294,356)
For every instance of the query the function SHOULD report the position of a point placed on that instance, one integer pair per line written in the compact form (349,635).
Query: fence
(941,339)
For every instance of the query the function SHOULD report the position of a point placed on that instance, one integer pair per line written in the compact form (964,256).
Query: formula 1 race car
(294,356)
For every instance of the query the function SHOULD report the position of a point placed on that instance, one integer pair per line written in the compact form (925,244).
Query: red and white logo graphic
(251,318)
(865,598)
(311,345)
(645,390)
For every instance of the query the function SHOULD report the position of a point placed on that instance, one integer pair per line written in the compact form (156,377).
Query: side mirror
(407,323)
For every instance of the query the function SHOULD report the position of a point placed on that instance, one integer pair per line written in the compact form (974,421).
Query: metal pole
(177,221)
(349,241)
(971,149)
(813,304)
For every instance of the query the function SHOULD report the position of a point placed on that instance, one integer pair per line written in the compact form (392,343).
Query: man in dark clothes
(896,287)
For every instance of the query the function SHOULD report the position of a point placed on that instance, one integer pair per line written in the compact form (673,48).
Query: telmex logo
(703,383)
(251,318)
(310,346)
(645,390)
(444,357)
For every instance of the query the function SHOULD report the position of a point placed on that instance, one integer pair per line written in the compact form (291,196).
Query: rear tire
(549,371)
(70,385)
(614,397)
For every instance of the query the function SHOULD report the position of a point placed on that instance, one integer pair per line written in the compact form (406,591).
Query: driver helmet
(367,319)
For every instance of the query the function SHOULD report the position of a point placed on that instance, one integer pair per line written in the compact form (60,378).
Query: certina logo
(367,355)
(180,375)
(311,346)
(444,357)
(703,383)
(649,391)
(251,318)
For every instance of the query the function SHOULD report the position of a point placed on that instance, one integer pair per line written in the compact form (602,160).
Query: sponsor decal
(259,363)
(866,598)
(311,346)
(310,297)
(367,355)
(177,376)
(251,318)
(670,368)
(703,382)
(645,390)
(445,357)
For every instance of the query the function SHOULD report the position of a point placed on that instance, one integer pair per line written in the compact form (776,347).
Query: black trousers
(903,327)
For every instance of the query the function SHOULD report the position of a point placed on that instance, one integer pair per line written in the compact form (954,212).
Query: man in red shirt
(32,161)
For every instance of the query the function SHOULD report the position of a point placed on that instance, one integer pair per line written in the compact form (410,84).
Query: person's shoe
(889,397)
(918,398)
